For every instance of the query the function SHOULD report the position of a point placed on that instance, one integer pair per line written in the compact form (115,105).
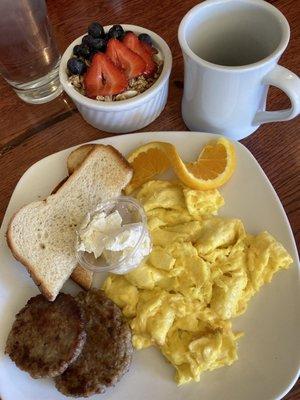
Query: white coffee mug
(231,49)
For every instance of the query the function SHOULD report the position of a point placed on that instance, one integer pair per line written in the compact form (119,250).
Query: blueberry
(88,40)
(106,37)
(96,30)
(144,37)
(117,35)
(76,66)
(116,32)
(100,45)
(76,50)
(82,50)
(117,28)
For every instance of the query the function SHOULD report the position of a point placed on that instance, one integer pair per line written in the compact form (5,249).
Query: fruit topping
(76,66)
(144,37)
(82,50)
(76,50)
(125,58)
(116,32)
(133,43)
(94,44)
(88,40)
(100,45)
(113,65)
(103,78)
(149,49)
(96,30)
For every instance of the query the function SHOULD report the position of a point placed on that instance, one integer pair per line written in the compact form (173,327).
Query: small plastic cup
(131,212)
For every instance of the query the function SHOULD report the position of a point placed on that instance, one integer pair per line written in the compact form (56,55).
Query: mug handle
(289,83)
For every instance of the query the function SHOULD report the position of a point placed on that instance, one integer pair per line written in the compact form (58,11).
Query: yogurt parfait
(114,65)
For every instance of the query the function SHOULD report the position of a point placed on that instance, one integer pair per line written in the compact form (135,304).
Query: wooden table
(30,132)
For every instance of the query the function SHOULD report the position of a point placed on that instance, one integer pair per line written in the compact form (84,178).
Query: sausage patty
(47,337)
(107,353)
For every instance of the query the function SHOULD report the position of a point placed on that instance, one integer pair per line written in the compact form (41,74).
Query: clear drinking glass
(29,57)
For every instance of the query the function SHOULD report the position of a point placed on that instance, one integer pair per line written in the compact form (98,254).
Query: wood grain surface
(30,132)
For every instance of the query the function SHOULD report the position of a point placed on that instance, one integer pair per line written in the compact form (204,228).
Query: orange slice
(214,166)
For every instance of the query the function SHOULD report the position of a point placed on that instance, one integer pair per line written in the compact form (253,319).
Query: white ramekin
(125,115)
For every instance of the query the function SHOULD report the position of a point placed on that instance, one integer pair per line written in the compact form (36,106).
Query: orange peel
(212,169)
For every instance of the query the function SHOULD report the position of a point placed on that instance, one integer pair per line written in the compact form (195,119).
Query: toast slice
(41,235)
(77,156)
(80,275)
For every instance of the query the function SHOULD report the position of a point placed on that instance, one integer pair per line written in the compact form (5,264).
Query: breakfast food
(107,353)
(113,66)
(214,166)
(81,276)
(56,327)
(42,234)
(113,236)
(201,273)
(77,156)
(83,342)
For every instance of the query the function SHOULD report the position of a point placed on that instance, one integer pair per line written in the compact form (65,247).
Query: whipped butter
(123,245)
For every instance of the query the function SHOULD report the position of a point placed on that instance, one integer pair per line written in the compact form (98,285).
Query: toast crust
(82,277)
(43,289)
(59,185)
(76,157)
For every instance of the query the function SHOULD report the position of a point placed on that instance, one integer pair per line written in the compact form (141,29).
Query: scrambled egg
(202,271)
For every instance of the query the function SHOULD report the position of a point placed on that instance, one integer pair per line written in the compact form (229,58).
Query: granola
(135,86)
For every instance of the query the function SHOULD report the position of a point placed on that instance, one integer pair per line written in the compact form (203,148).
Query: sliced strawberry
(124,58)
(150,49)
(133,43)
(103,78)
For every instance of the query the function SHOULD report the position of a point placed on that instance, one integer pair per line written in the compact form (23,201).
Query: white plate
(269,353)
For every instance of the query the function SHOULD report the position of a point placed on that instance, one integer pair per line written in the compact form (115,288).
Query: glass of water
(29,57)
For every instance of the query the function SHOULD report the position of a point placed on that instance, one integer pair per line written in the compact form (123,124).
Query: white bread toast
(80,275)
(77,156)
(41,235)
